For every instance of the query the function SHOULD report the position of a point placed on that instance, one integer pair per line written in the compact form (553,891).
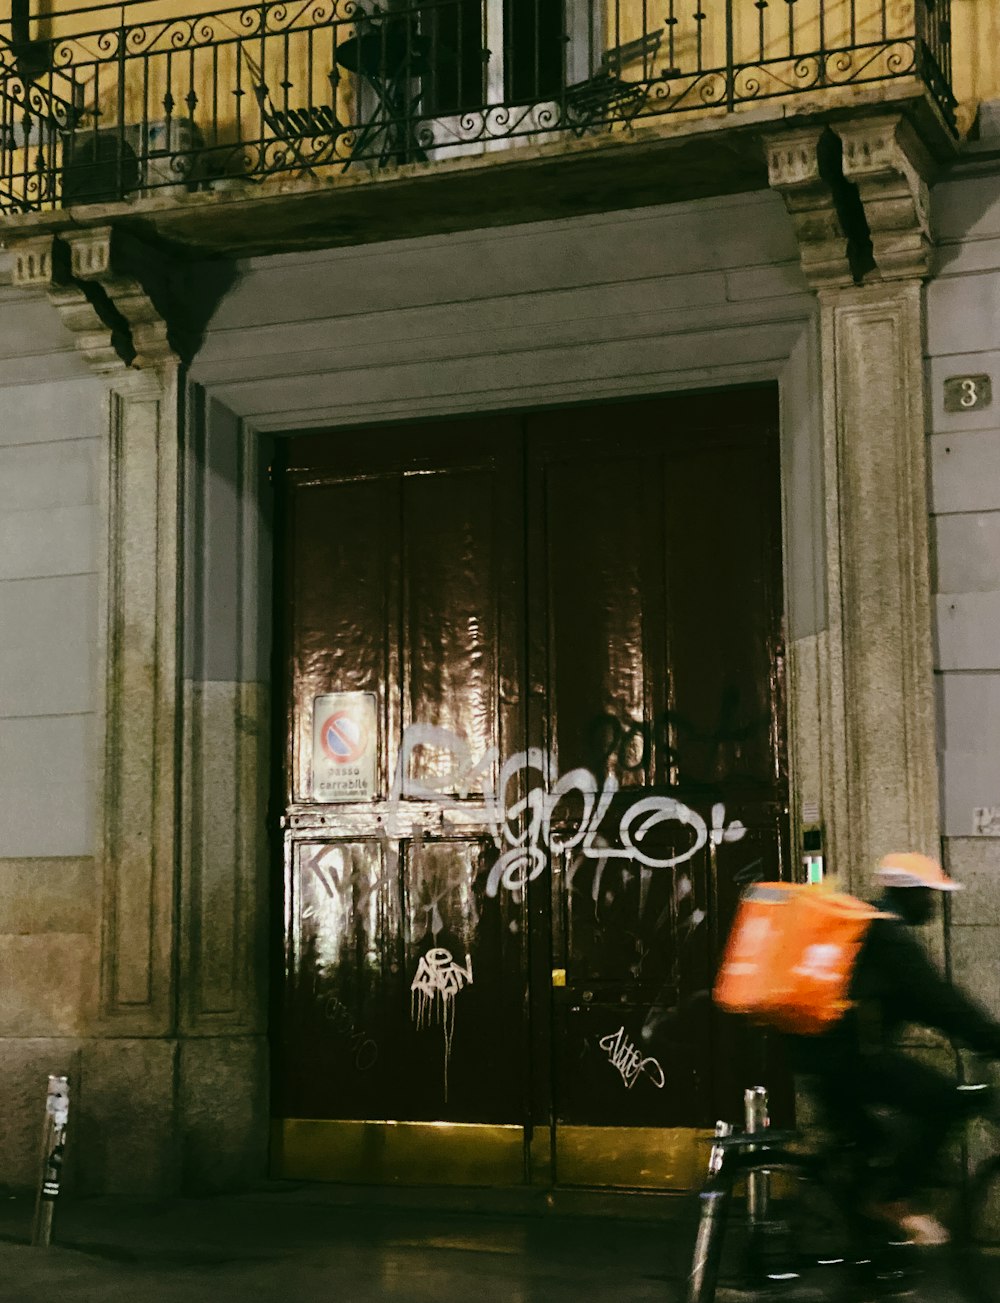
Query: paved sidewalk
(288,1243)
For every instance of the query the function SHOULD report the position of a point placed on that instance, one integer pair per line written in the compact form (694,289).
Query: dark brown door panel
(571,623)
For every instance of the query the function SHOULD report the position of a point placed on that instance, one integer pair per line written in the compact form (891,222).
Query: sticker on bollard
(53,1152)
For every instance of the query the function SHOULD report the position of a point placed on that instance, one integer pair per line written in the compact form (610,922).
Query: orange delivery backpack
(790,956)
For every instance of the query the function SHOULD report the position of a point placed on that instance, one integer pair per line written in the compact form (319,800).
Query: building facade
(466,515)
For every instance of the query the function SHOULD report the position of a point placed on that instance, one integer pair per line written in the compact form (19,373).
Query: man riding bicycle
(855,1069)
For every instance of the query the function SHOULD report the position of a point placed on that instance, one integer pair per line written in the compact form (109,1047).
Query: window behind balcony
(533,50)
(475,54)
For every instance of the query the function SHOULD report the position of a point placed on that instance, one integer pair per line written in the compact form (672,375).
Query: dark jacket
(895,982)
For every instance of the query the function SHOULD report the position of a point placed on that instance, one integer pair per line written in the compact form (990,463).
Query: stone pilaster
(171,1066)
(123,336)
(139,854)
(127,1065)
(878,574)
(874,696)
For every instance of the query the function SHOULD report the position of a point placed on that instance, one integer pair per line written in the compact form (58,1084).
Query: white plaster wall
(52,442)
(50,504)
(963,338)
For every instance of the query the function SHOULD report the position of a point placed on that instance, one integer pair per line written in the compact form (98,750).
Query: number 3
(970,394)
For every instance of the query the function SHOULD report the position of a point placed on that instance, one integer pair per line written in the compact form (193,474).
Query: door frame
(225,737)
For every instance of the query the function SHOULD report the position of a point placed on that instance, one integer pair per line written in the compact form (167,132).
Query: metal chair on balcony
(607,96)
(308,135)
(385,55)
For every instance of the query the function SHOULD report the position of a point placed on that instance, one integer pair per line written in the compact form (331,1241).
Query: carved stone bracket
(793,169)
(102,258)
(857,194)
(112,292)
(42,263)
(886,160)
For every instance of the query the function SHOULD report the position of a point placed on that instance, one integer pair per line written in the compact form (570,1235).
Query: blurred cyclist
(855,1068)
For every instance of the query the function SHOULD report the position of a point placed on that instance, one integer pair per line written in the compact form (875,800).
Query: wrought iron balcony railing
(106,103)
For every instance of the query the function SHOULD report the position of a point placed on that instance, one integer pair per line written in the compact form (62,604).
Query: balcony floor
(670,161)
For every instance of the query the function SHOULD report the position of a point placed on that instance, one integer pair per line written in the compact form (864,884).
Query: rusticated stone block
(223,1112)
(125,1130)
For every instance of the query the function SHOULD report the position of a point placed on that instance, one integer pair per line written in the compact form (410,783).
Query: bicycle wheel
(806,1244)
(977,1235)
(734,1254)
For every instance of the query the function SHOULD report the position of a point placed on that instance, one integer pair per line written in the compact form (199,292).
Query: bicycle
(801,1224)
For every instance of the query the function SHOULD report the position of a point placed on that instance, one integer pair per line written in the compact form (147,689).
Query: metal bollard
(759,1183)
(713,1205)
(722,1130)
(53,1149)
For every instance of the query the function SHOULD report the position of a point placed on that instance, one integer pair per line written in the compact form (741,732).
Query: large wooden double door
(539,659)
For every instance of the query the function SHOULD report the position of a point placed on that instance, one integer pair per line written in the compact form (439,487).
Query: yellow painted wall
(975,54)
(213,57)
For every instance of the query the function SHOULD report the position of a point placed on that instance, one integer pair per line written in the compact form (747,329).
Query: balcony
(187,123)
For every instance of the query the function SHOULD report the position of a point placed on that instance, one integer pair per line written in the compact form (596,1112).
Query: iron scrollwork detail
(118,109)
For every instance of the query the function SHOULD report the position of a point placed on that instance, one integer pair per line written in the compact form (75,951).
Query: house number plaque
(967,393)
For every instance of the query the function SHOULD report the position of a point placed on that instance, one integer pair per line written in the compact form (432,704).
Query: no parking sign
(345,746)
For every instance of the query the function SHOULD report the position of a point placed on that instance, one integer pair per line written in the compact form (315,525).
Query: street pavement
(310,1244)
(302,1243)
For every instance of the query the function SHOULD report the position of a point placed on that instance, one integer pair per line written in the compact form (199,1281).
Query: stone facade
(134,649)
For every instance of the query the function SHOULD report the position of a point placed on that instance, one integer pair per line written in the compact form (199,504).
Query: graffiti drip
(437,981)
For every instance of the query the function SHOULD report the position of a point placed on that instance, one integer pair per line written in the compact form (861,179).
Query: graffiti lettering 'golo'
(523,829)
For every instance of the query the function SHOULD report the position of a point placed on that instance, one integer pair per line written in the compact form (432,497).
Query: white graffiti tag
(437,981)
(629,1061)
(560,813)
